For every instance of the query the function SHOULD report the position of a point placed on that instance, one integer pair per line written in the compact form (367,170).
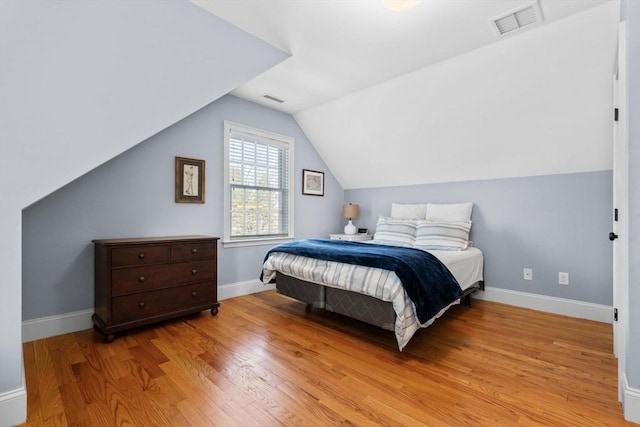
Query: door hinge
(615,214)
(615,314)
(615,114)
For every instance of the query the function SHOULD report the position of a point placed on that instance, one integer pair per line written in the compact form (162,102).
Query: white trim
(567,307)
(239,289)
(50,326)
(631,402)
(13,407)
(272,241)
(284,142)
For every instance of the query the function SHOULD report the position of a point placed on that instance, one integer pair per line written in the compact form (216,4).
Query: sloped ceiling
(537,104)
(434,94)
(82,82)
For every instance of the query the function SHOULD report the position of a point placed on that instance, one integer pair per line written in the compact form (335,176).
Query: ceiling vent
(517,19)
(273,98)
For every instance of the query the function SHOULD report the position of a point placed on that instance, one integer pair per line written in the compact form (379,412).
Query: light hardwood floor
(264,361)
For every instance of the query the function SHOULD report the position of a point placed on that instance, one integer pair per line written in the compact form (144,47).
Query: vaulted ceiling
(361,78)
(341,46)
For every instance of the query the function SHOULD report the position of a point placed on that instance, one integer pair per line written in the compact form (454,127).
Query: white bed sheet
(466,266)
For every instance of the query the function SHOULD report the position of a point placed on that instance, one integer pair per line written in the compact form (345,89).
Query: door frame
(621,203)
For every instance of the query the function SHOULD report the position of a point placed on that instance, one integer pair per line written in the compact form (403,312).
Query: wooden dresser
(144,280)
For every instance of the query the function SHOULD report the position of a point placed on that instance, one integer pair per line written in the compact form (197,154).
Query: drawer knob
(142,278)
(194,294)
(194,250)
(141,255)
(194,271)
(141,304)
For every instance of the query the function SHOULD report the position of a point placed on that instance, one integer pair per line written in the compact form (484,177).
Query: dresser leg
(214,311)
(109,338)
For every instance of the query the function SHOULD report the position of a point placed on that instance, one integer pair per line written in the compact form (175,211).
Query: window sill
(256,242)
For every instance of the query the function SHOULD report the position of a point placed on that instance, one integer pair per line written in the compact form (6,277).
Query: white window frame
(261,135)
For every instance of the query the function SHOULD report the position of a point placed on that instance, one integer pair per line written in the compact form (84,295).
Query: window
(258,198)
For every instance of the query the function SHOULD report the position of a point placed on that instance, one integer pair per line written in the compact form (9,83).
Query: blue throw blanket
(429,284)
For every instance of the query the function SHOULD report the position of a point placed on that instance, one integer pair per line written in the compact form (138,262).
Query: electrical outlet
(527,274)
(563,278)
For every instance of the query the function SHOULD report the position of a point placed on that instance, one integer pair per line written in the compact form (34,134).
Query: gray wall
(632,359)
(133,195)
(549,223)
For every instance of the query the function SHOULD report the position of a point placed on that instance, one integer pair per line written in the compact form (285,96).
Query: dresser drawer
(184,251)
(147,304)
(139,255)
(142,280)
(136,279)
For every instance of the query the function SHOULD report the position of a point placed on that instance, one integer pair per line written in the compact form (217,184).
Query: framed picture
(312,182)
(189,180)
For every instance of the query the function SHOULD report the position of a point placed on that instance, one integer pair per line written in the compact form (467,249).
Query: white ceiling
(339,47)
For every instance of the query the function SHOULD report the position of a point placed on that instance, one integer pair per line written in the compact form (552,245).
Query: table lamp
(350,211)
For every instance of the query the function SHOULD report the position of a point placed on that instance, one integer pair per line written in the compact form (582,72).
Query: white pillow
(442,235)
(393,231)
(409,211)
(449,212)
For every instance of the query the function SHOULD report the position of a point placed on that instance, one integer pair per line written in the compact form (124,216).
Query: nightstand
(351,237)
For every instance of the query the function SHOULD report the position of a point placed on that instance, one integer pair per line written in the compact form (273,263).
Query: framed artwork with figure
(189,180)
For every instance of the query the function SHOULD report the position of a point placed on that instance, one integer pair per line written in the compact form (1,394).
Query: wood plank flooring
(264,361)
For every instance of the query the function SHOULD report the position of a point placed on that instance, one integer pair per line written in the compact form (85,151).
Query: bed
(377,295)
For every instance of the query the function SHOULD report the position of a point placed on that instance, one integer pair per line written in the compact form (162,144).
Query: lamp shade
(350,211)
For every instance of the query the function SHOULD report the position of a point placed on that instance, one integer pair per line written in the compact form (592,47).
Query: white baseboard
(13,406)
(239,289)
(567,307)
(50,326)
(45,327)
(630,402)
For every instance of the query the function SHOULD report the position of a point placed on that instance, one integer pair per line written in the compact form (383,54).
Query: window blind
(258,168)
